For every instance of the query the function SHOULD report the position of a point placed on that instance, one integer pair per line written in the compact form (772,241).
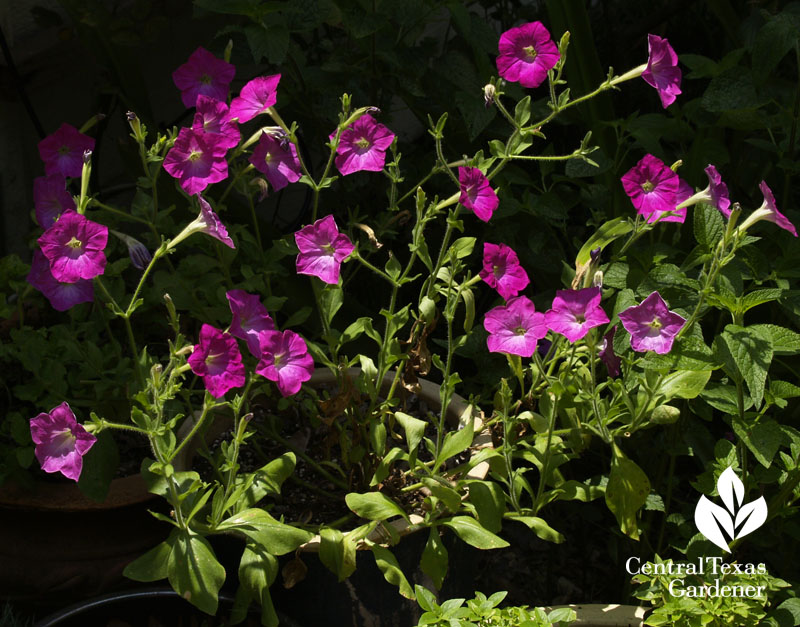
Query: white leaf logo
(712,520)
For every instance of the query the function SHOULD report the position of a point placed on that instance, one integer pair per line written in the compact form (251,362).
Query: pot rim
(605,614)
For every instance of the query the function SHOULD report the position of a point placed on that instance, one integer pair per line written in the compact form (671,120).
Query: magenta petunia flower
(196,160)
(362,146)
(662,70)
(476,193)
(255,98)
(203,74)
(51,199)
(574,312)
(218,361)
(769,210)
(62,152)
(322,250)
(74,247)
(652,325)
(718,191)
(526,54)
(61,442)
(250,317)
(213,118)
(285,360)
(514,328)
(501,270)
(651,185)
(277,160)
(62,296)
(677,214)
(607,355)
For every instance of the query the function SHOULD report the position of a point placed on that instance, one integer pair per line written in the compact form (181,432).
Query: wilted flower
(768,211)
(652,325)
(213,118)
(196,160)
(476,193)
(574,312)
(62,296)
(607,355)
(62,152)
(514,328)
(322,249)
(526,54)
(250,317)
(255,98)
(277,160)
(363,146)
(51,199)
(203,74)
(502,271)
(216,358)
(74,247)
(662,70)
(61,442)
(651,185)
(285,360)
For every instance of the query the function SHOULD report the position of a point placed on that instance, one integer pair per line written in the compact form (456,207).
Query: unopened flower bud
(130,116)
(228,50)
(597,281)
(674,167)
(489,92)
(595,254)
(140,256)
(87,157)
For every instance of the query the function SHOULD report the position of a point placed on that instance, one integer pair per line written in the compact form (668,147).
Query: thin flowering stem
(128,328)
(233,182)
(106,424)
(601,420)
(132,304)
(118,212)
(195,428)
(551,423)
(374,269)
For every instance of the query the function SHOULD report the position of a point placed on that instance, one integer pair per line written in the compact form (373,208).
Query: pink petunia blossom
(74,247)
(196,160)
(717,191)
(574,312)
(322,250)
(476,193)
(678,213)
(502,271)
(651,185)
(61,442)
(277,160)
(362,146)
(769,210)
(62,296)
(62,152)
(256,97)
(250,317)
(51,199)
(285,359)
(213,118)
(607,355)
(652,325)
(216,358)
(526,54)
(662,70)
(514,328)
(203,74)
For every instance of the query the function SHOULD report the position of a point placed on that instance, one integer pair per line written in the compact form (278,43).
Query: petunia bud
(140,256)
(489,93)
(87,157)
(597,281)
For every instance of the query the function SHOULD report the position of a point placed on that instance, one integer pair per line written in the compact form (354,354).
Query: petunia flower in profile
(716,194)
(276,160)
(476,193)
(678,213)
(62,296)
(62,152)
(138,253)
(51,199)
(74,247)
(322,250)
(196,160)
(204,74)
(652,325)
(514,328)
(768,211)
(216,358)
(213,118)
(502,271)
(526,54)
(285,359)
(61,442)
(651,185)
(256,97)
(574,312)
(607,355)
(206,222)
(662,71)
(362,146)
(250,318)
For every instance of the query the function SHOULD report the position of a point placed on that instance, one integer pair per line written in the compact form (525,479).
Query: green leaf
(689,353)
(684,383)
(277,537)
(425,598)
(456,442)
(338,552)
(257,571)
(471,532)
(330,300)
(374,506)
(434,560)
(354,330)
(194,571)
(390,568)
(576,491)
(759,297)
(414,428)
(269,478)
(784,341)
(450,497)
(382,471)
(393,268)
(607,233)
(489,502)
(462,247)
(522,112)
(152,566)
(708,225)
(539,527)
(724,398)
(626,492)
(747,353)
(763,438)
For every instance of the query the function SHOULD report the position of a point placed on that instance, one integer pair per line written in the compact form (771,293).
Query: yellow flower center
(205,78)
(268,158)
(64,150)
(195,155)
(519,331)
(363,143)
(530,52)
(74,243)
(655,324)
(647,187)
